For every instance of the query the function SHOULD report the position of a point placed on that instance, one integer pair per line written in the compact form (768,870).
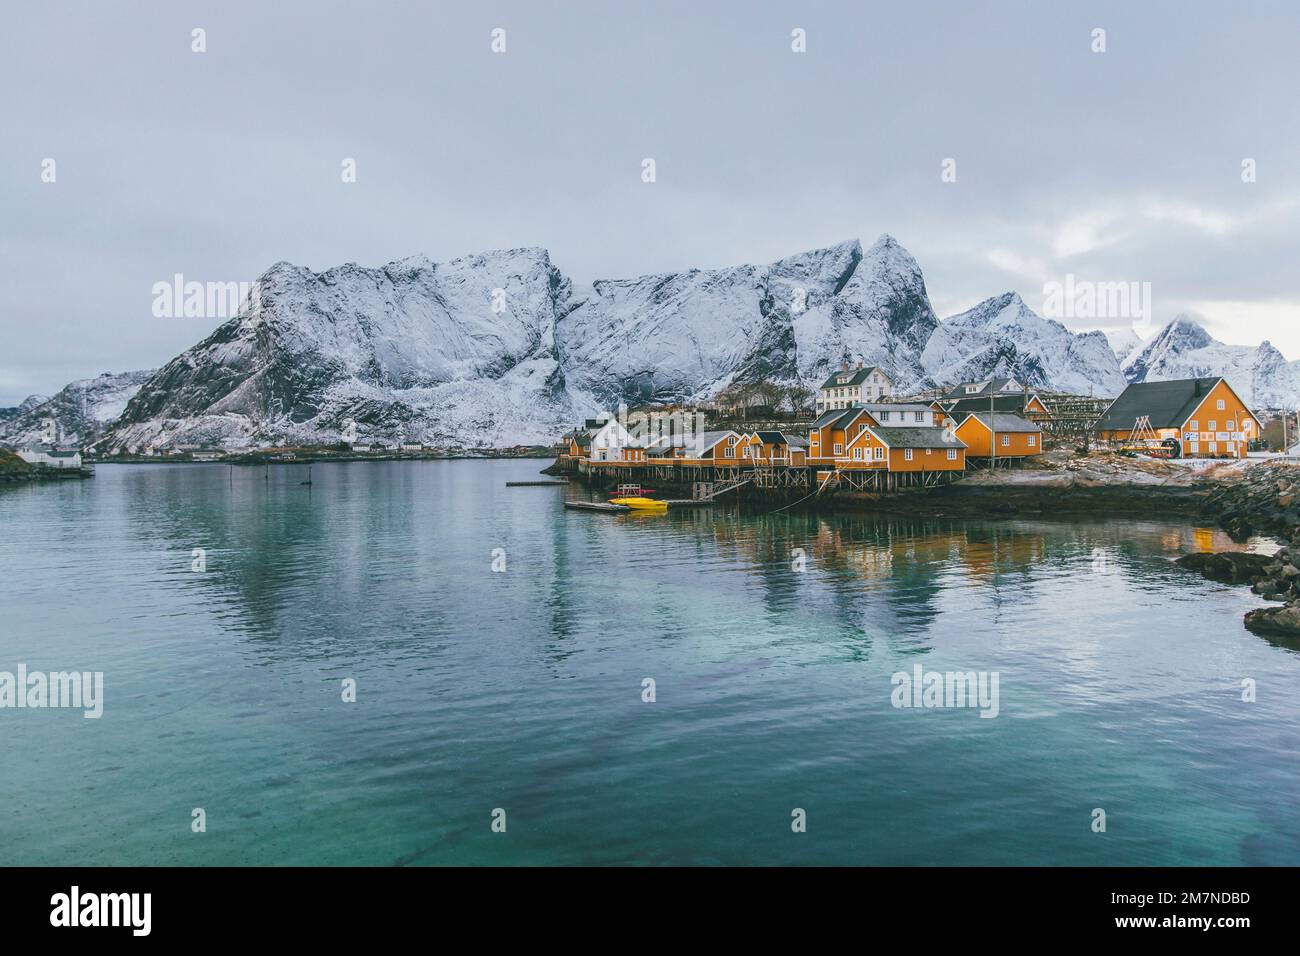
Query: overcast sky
(1117,166)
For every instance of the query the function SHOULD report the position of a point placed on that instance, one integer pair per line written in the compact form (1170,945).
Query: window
(920,416)
(952,454)
(731,451)
(927,452)
(1220,405)
(878,453)
(1194,426)
(838,448)
(1214,426)
(857,453)
(1214,448)
(884,416)
(1232,426)
(907,454)
(1006,440)
(1033,440)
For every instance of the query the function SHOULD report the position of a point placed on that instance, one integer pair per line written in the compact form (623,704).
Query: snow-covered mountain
(502,348)
(1003,337)
(1124,342)
(462,351)
(77,415)
(685,336)
(11,412)
(1260,374)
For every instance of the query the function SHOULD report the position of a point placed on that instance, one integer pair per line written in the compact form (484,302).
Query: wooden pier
(535,484)
(709,483)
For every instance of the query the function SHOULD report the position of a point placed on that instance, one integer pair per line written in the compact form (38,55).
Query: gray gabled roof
(995,384)
(1168,404)
(856,376)
(929,437)
(1008,402)
(828,416)
(876,409)
(707,440)
(1003,422)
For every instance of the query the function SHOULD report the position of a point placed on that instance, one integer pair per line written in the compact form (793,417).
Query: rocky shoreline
(1266,500)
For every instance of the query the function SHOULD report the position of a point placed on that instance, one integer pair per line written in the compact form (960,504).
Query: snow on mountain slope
(400,350)
(879,313)
(1184,349)
(500,348)
(416,351)
(11,412)
(1124,342)
(79,412)
(1003,337)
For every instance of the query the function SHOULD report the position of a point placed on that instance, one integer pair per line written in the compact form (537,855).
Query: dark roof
(930,437)
(858,376)
(706,440)
(1168,404)
(995,384)
(770,438)
(839,417)
(1003,422)
(1010,402)
(876,410)
(826,417)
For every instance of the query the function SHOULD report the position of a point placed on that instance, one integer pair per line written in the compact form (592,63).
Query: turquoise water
(1119,681)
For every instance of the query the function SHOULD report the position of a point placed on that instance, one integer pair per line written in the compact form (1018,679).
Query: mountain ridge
(501,347)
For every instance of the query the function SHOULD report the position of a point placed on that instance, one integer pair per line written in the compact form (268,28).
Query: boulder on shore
(1231,567)
(1283,621)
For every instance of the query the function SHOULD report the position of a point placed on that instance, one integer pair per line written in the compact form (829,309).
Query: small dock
(535,484)
(597,506)
(688,502)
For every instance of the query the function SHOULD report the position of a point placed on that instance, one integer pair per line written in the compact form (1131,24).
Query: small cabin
(999,435)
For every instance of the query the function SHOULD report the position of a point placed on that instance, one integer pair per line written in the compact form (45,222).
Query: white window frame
(878,453)
(1033,440)
(1221,405)
(1006,440)
(907,454)
(857,453)
(952,454)
(838,448)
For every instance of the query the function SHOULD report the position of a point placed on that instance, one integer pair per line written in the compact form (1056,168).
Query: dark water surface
(1120,681)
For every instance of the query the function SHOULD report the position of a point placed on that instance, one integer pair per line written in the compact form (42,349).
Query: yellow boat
(640,504)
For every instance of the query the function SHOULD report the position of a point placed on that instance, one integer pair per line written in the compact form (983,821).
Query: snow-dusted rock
(1003,337)
(1260,374)
(79,412)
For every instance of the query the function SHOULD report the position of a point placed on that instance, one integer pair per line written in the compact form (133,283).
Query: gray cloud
(1116,166)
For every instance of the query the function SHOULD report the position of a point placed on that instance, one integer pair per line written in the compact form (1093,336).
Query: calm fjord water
(1120,681)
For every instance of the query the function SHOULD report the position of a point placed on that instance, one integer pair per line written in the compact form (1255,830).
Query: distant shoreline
(307,458)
